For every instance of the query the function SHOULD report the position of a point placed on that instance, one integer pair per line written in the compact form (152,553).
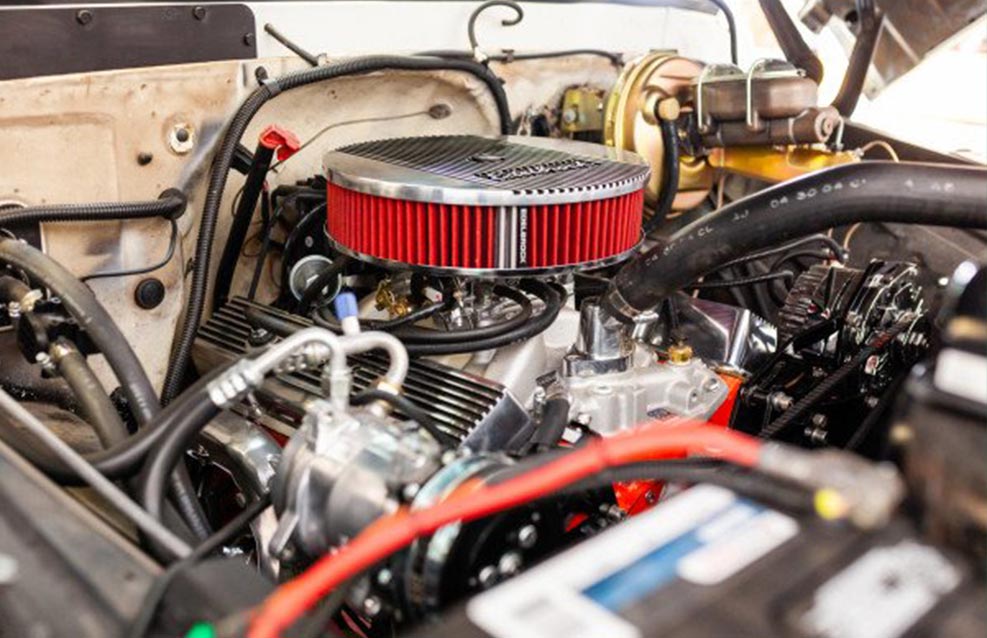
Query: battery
(709,562)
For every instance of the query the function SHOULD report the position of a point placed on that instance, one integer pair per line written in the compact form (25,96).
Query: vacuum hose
(906,192)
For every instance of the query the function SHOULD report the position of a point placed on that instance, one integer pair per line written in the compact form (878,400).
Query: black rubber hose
(787,275)
(413,335)
(95,405)
(416,335)
(122,461)
(171,205)
(705,471)
(185,418)
(182,351)
(871,23)
(887,192)
(409,409)
(790,40)
(838,251)
(552,298)
(253,188)
(323,279)
(92,317)
(795,255)
(669,176)
(12,289)
(104,333)
(418,314)
(552,423)
(141,624)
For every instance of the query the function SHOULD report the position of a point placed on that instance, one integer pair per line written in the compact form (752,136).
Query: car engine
(464,343)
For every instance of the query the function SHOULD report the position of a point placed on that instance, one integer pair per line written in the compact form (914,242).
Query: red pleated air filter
(481,205)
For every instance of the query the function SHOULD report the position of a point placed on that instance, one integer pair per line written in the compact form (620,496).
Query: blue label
(654,570)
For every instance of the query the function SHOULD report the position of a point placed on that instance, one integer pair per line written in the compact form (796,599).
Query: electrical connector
(846,486)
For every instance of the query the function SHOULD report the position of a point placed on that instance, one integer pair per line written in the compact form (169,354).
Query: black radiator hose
(94,404)
(906,192)
(170,205)
(223,159)
(82,304)
(122,461)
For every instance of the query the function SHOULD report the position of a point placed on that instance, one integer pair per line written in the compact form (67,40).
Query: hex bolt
(372,606)
(410,491)
(199,13)
(509,564)
(84,16)
(527,536)
(182,138)
(780,401)
(488,576)
(384,577)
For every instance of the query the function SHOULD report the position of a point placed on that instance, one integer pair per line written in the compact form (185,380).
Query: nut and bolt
(199,13)
(182,138)
(371,606)
(780,401)
(410,491)
(84,16)
(509,564)
(44,360)
(527,536)
(488,576)
(384,577)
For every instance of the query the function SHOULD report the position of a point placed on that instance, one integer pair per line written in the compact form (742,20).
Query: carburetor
(614,383)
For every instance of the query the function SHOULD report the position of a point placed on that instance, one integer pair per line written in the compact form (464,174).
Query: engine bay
(463,343)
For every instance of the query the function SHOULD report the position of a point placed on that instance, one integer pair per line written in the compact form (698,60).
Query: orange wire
(394,532)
